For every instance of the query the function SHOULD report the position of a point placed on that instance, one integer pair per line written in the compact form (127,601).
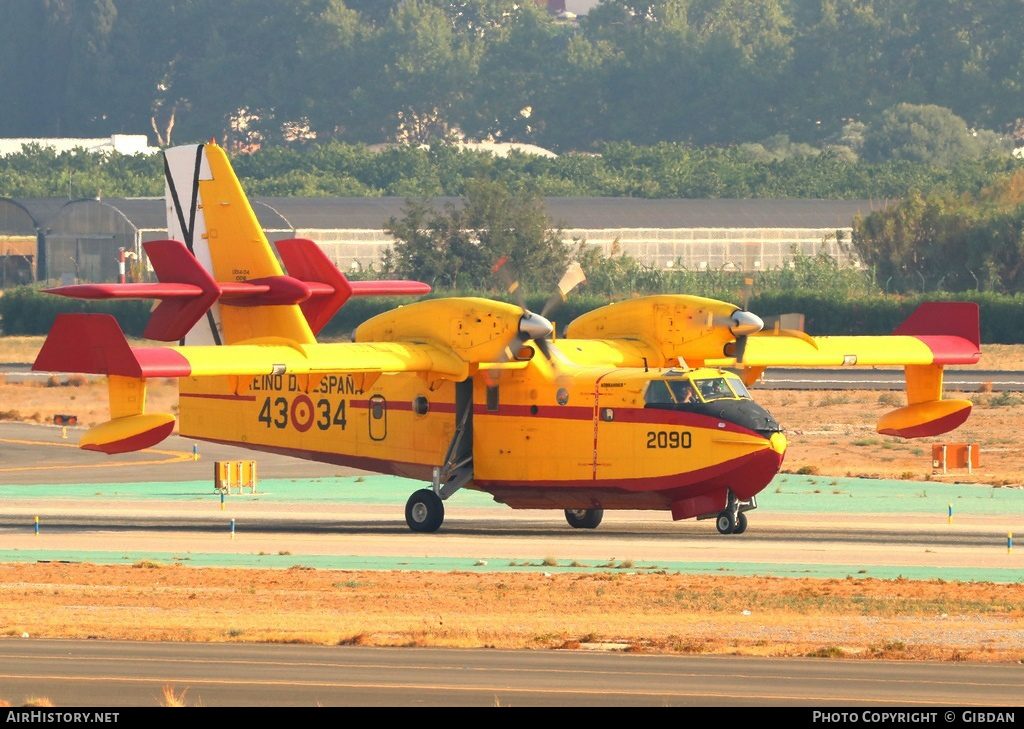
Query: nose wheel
(732,520)
(727,523)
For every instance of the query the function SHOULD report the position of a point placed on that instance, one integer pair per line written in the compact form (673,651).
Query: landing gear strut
(584,518)
(732,520)
(424,511)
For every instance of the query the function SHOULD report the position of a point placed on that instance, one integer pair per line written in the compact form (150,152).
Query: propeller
(742,324)
(536,328)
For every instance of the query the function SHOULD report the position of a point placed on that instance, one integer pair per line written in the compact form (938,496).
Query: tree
(511,91)
(929,134)
(57,66)
(457,247)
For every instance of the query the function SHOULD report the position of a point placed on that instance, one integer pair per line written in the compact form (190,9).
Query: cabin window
(492,399)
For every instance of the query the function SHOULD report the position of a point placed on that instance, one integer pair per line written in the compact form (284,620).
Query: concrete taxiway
(160,504)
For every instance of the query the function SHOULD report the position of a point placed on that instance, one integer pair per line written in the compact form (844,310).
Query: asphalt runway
(160,504)
(114,673)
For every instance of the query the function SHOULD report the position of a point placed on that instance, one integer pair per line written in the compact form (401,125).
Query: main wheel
(725,523)
(741,523)
(424,511)
(584,518)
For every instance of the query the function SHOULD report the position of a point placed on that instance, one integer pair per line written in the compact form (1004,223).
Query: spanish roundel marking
(302,413)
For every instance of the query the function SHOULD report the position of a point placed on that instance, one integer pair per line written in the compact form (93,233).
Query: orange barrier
(231,474)
(955,455)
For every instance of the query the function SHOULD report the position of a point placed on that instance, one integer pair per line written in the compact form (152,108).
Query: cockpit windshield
(714,388)
(681,391)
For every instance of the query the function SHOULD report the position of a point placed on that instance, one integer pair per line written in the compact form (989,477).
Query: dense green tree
(458,247)
(927,134)
(57,66)
(958,243)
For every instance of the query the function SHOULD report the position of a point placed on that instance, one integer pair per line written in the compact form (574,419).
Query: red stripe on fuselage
(210,396)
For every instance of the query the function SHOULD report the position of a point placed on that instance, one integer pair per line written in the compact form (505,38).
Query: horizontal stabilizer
(329,288)
(389,287)
(186,291)
(130,433)
(174,316)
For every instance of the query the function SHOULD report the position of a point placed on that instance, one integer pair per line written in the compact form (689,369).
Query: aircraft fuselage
(607,438)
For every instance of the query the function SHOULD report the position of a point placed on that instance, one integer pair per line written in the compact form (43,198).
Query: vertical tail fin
(209,212)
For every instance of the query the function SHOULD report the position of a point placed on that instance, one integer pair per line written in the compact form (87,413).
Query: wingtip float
(452,391)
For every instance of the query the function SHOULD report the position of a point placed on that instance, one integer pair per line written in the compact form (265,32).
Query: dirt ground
(625,610)
(831,433)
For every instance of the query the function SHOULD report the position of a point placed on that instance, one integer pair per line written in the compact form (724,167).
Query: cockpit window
(739,388)
(682,390)
(717,388)
(713,389)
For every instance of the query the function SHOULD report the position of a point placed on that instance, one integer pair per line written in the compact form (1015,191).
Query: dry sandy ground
(626,609)
(831,434)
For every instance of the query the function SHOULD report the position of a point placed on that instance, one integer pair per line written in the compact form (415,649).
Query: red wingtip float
(630,411)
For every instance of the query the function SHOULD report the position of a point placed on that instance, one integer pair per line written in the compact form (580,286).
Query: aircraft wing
(935,334)
(110,354)
(802,351)
(94,344)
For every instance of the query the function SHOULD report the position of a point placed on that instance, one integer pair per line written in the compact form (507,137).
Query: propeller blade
(748,291)
(509,281)
(573,277)
(532,328)
(788,322)
(741,347)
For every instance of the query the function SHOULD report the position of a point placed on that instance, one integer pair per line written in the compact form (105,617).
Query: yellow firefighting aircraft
(630,411)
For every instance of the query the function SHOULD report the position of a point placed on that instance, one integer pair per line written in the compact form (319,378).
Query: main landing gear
(424,511)
(584,518)
(732,520)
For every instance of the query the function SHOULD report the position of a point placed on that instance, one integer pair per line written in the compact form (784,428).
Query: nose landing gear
(732,520)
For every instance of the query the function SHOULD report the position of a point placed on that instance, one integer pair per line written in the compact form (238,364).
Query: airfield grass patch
(865,618)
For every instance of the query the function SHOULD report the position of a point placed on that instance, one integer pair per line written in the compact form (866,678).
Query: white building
(122,143)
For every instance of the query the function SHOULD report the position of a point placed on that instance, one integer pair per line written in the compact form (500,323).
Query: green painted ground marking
(824,494)
(339,490)
(443,564)
(788,493)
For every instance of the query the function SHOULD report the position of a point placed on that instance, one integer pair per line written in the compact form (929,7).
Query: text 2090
(669,439)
